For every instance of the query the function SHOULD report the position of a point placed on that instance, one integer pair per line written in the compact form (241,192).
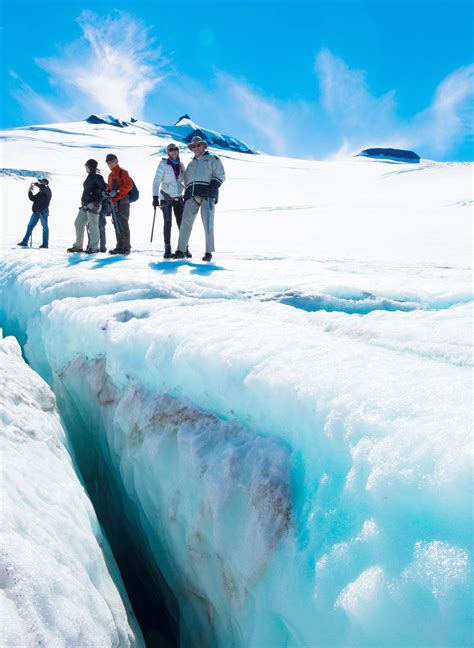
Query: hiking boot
(178,255)
(167,253)
(43,247)
(22,244)
(124,252)
(91,251)
(104,249)
(74,249)
(115,251)
(207,257)
(188,253)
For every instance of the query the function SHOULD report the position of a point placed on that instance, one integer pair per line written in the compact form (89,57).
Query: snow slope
(290,426)
(60,584)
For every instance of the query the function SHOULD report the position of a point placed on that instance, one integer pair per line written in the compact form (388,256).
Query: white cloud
(361,120)
(112,68)
(450,117)
(261,113)
(358,117)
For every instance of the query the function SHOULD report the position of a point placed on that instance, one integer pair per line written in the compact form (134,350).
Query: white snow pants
(191,208)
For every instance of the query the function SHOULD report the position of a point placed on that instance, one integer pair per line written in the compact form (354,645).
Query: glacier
(284,434)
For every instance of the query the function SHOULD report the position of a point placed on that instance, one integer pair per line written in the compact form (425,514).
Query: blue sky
(307,78)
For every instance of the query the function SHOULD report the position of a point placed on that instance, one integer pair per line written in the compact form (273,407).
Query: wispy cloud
(360,119)
(26,96)
(112,68)
(346,97)
(230,105)
(450,117)
(261,113)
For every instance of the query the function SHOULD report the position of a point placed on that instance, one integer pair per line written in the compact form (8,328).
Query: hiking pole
(31,240)
(208,213)
(153,225)
(114,217)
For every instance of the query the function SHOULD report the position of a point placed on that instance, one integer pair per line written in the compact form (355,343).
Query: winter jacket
(42,199)
(94,185)
(120,181)
(167,181)
(204,176)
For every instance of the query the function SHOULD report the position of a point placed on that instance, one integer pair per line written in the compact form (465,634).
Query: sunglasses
(171,150)
(193,146)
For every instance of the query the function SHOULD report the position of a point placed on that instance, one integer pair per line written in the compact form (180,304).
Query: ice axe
(153,225)
(114,216)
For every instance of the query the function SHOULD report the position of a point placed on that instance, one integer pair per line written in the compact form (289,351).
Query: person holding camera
(40,207)
(91,203)
(168,185)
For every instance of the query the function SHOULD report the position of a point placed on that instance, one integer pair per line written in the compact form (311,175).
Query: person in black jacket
(40,208)
(88,214)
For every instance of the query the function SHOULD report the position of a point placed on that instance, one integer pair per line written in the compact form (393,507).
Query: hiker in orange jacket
(118,187)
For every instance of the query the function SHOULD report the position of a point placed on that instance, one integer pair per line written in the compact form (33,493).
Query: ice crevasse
(60,585)
(292,489)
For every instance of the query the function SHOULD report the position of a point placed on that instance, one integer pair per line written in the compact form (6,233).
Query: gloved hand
(214,190)
(156,201)
(113,193)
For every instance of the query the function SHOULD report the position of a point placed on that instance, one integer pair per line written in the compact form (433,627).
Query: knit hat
(92,165)
(43,181)
(111,157)
(196,140)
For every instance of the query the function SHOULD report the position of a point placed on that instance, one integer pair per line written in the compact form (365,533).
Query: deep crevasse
(295,485)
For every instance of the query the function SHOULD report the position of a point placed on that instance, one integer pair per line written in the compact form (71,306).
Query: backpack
(133,194)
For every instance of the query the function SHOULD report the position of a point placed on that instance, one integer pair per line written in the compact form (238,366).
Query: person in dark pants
(168,185)
(40,208)
(118,186)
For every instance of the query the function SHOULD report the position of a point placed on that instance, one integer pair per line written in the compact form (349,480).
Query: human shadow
(171,267)
(76,259)
(102,263)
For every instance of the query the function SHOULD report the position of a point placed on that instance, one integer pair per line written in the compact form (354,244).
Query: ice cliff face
(60,585)
(287,479)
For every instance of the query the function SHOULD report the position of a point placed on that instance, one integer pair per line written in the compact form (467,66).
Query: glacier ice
(298,478)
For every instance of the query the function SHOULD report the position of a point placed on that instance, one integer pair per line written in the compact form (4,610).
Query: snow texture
(60,585)
(291,424)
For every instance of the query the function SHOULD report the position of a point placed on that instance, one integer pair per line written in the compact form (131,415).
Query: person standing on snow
(88,213)
(40,208)
(119,186)
(202,179)
(168,183)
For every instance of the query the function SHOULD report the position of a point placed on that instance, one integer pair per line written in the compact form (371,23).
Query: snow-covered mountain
(183,131)
(284,433)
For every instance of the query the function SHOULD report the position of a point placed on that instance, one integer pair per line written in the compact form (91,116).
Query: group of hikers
(176,189)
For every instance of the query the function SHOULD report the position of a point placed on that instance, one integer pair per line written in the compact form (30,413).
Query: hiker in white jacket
(202,179)
(168,194)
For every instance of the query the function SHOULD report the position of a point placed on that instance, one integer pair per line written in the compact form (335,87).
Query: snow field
(60,585)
